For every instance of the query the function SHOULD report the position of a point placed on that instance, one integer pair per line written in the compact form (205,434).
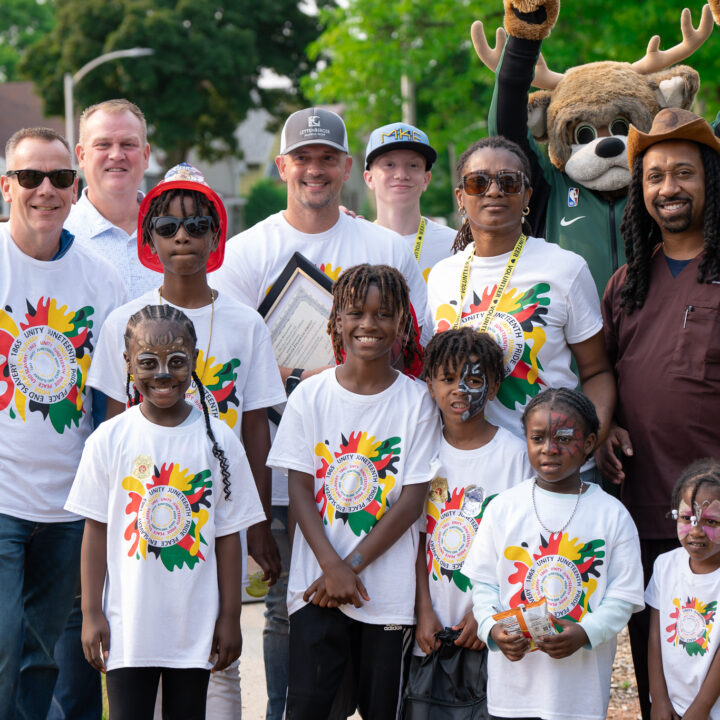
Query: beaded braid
(171,314)
(575,401)
(494,142)
(160,204)
(642,233)
(701,472)
(353,285)
(450,349)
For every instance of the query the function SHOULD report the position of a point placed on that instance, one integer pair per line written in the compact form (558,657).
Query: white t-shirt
(463,486)
(362,450)
(596,556)
(160,492)
(241,374)
(549,303)
(50,315)
(437,245)
(255,258)
(687,605)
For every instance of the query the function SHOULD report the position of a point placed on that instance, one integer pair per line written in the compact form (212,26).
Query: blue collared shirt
(96,232)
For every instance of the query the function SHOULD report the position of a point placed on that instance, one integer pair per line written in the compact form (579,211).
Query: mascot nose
(609,147)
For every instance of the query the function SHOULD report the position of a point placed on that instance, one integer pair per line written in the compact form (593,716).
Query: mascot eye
(619,126)
(585,134)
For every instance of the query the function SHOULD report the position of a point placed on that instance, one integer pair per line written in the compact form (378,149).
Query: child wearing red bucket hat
(182,228)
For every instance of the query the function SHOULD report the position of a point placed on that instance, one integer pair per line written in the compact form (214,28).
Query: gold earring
(462,212)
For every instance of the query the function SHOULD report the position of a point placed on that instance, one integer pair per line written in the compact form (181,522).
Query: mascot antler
(693,38)
(544,79)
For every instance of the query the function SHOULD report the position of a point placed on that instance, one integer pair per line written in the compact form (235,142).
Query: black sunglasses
(30,179)
(509,182)
(196,225)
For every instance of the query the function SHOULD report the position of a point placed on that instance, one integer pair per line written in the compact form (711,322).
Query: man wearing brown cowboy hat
(662,326)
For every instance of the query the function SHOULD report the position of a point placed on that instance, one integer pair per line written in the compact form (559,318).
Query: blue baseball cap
(399,136)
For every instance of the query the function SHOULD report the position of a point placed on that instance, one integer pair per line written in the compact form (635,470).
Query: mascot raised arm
(583,114)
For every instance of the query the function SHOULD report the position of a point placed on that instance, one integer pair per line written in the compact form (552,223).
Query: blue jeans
(39,574)
(78,691)
(276,646)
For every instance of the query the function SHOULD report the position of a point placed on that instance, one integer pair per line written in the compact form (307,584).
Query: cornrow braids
(494,142)
(450,349)
(217,451)
(699,473)
(352,286)
(160,205)
(575,401)
(642,234)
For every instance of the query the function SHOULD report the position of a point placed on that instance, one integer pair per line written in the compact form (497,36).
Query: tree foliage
(202,78)
(266,197)
(22,22)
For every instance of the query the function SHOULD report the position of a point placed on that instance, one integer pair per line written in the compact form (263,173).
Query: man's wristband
(293,380)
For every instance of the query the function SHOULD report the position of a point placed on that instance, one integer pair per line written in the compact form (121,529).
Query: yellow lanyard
(419,237)
(504,280)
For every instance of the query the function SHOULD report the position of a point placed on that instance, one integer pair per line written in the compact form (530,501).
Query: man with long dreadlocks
(662,326)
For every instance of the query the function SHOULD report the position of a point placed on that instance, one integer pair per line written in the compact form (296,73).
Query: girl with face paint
(463,369)
(682,595)
(165,488)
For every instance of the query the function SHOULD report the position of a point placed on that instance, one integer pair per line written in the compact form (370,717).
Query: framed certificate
(296,311)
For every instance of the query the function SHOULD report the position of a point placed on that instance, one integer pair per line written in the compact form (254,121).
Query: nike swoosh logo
(565,222)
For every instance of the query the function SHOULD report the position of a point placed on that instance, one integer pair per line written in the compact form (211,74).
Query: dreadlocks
(170,314)
(160,204)
(494,142)
(642,233)
(448,350)
(352,287)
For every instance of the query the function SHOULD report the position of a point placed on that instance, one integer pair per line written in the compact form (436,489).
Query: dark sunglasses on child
(509,182)
(196,225)
(30,179)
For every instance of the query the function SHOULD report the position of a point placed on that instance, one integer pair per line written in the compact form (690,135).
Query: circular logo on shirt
(508,334)
(351,483)
(451,539)
(164,517)
(556,579)
(193,397)
(690,625)
(42,364)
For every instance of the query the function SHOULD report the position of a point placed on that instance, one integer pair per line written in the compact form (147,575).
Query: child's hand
(427,627)
(95,638)
(514,646)
(468,638)
(226,643)
(662,709)
(336,586)
(565,643)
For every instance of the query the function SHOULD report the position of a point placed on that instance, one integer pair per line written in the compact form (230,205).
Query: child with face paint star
(567,542)
(165,488)
(682,594)
(463,369)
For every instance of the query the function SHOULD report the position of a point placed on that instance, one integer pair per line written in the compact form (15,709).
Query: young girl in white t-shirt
(463,369)
(165,489)
(556,538)
(357,442)
(682,595)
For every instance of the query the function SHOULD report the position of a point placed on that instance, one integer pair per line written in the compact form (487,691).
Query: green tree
(266,197)
(202,78)
(22,22)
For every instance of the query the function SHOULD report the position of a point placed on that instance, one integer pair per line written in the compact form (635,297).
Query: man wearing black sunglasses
(51,310)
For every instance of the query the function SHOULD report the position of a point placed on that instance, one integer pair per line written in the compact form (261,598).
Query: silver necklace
(572,514)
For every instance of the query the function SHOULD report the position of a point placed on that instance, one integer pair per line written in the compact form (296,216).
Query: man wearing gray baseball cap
(314,162)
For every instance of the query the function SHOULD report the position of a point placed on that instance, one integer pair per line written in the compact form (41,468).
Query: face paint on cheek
(477,396)
(709,518)
(564,435)
(164,356)
(684,524)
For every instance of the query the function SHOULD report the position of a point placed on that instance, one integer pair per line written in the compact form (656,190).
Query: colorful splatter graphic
(168,508)
(452,521)
(564,571)
(692,624)
(44,362)
(357,480)
(518,326)
(219,379)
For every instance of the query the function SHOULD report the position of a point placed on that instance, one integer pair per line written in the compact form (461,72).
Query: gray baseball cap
(313,126)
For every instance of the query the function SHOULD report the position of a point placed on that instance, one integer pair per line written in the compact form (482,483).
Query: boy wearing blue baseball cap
(398,159)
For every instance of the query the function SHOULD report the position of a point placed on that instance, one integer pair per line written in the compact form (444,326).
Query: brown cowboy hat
(671,124)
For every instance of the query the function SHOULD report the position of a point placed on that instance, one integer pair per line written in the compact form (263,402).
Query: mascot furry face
(584,113)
